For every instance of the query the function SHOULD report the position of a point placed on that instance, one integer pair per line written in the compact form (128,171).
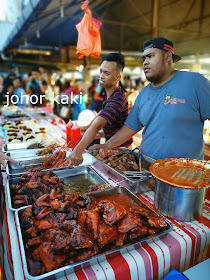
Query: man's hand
(96,147)
(3,159)
(75,158)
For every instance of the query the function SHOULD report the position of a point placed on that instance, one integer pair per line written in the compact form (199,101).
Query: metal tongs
(124,155)
(141,173)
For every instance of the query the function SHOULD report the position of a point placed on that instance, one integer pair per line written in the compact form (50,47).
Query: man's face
(35,75)
(17,83)
(154,63)
(109,75)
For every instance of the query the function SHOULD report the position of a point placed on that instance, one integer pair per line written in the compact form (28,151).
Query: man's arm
(3,159)
(124,134)
(76,156)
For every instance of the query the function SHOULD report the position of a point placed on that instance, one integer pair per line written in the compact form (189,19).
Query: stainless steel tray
(94,260)
(17,146)
(83,177)
(135,185)
(24,164)
(28,153)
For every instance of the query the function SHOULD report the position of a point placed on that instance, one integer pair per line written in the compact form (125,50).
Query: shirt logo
(171,100)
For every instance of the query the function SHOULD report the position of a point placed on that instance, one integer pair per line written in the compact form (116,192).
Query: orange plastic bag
(89,40)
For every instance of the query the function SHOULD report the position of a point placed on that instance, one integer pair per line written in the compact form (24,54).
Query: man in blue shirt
(19,92)
(172,108)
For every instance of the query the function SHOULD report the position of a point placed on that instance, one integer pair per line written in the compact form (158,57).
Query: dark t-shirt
(115,112)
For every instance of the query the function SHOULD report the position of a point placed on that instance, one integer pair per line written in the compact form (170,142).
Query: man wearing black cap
(172,108)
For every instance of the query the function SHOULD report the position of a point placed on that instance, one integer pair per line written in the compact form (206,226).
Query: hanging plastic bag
(89,40)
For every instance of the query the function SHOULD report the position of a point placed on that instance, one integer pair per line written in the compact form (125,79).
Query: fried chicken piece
(35,256)
(113,212)
(58,237)
(140,210)
(92,222)
(43,225)
(56,218)
(41,200)
(82,216)
(91,219)
(152,231)
(106,234)
(72,212)
(26,220)
(120,239)
(44,212)
(83,200)
(31,232)
(20,200)
(87,253)
(103,153)
(102,159)
(50,260)
(156,222)
(35,241)
(138,231)
(80,238)
(129,222)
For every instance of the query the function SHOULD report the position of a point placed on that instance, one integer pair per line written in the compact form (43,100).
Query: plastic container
(68,133)
(75,135)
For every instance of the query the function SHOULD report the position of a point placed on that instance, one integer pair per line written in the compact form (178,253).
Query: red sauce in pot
(186,173)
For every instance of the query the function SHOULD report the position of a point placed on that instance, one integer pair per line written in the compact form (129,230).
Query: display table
(184,247)
(187,245)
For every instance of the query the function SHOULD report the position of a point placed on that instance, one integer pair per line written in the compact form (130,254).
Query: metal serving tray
(19,154)
(23,164)
(26,163)
(17,146)
(100,257)
(83,177)
(135,185)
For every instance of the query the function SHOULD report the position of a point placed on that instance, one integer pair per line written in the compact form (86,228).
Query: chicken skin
(112,212)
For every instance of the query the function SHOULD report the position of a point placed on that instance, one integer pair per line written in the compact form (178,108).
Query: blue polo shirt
(173,116)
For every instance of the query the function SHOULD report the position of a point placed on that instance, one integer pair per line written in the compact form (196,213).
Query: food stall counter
(185,246)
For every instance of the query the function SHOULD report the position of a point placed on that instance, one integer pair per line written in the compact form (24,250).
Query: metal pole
(156,6)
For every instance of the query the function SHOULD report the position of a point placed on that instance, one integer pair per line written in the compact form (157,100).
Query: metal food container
(75,180)
(181,196)
(23,164)
(17,146)
(100,257)
(26,163)
(143,185)
(18,154)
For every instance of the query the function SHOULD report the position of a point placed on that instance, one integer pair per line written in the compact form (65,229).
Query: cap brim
(176,58)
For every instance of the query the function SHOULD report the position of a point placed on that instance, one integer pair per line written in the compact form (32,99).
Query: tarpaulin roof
(126,24)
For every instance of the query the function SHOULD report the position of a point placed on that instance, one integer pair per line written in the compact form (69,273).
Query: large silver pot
(179,203)
(180,187)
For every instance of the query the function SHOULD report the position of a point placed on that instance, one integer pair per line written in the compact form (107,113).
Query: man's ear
(118,77)
(169,56)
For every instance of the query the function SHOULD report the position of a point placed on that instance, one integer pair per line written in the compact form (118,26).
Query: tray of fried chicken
(23,190)
(114,158)
(122,163)
(62,231)
(55,161)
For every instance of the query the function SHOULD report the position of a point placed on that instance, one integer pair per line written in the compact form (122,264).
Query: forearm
(124,134)
(87,138)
